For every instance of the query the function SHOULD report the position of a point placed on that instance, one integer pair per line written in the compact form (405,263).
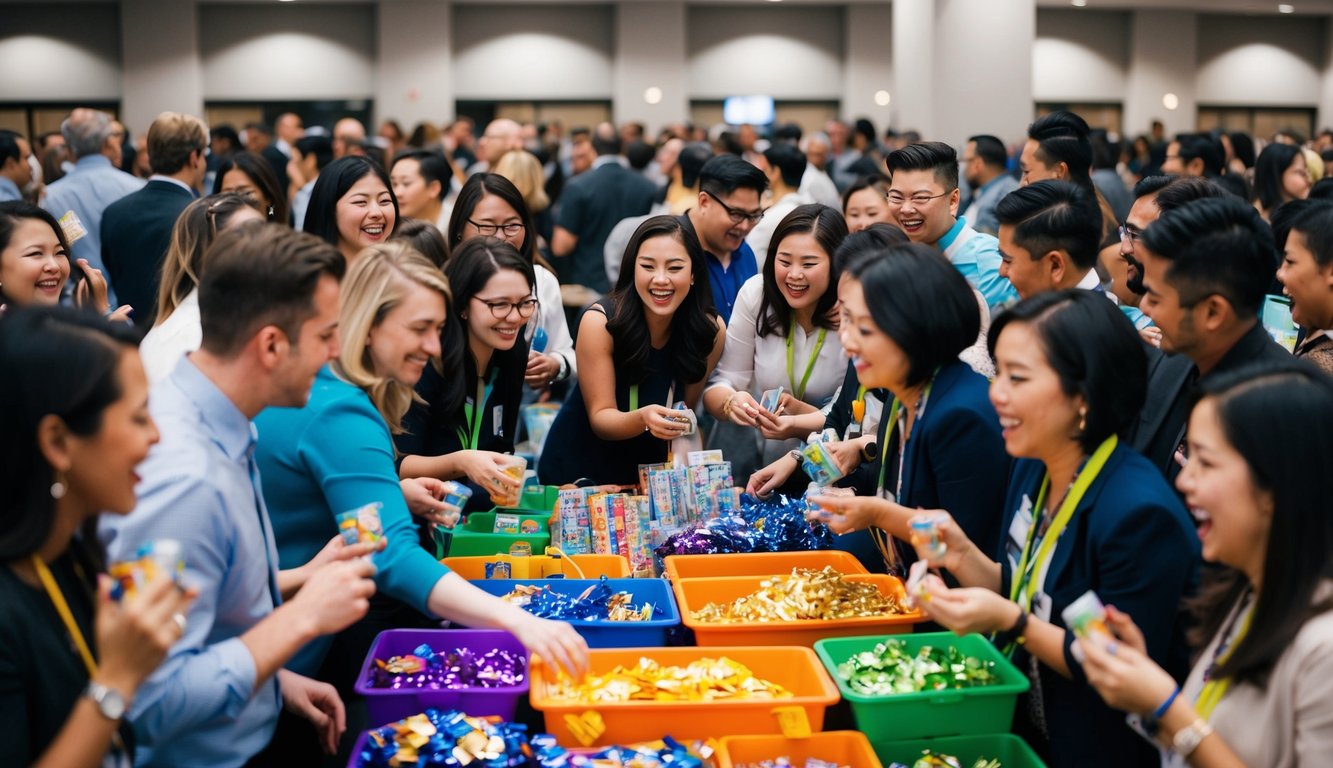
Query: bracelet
(1187,739)
(726,406)
(1160,712)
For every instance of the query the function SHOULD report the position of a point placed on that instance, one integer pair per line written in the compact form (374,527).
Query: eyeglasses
(897,200)
(501,309)
(1128,235)
(491,230)
(736,214)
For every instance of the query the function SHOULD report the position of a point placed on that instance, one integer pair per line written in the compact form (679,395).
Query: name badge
(1018,532)
(498,420)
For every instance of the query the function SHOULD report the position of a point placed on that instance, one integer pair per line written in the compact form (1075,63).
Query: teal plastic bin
(1011,751)
(929,714)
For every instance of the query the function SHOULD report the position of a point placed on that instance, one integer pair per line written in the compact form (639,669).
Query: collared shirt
(86,192)
(760,237)
(977,258)
(202,707)
(171,339)
(173,180)
(981,212)
(725,282)
(9,190)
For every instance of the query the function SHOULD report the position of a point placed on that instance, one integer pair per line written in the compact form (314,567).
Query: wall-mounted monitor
(755,110)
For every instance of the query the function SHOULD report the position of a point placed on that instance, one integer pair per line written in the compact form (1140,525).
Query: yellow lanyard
(1213,688)
(1025,578)
(62,608)
(799,392)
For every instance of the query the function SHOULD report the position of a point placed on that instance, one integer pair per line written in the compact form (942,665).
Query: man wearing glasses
(728,208)
(590,207)
(923,197)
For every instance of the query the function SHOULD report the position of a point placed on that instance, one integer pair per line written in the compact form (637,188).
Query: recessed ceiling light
(652,95)
(1170,100)
(882,98)
(1078,3)
(1284,8)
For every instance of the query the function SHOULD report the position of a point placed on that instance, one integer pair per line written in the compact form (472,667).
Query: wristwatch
(796,456)
(563,373)
(109,701)
(870,451)
(1187,739)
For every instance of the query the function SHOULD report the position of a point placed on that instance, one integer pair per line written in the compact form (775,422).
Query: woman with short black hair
(1280,175)
(352,205)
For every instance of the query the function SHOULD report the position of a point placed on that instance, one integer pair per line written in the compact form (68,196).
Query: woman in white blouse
(784,333)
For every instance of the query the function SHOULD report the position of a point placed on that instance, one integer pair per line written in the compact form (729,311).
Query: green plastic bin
(1011,751)
(929,714)
(539,498)
(475,536)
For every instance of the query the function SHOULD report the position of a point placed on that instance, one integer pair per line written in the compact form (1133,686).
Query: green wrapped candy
(890,669)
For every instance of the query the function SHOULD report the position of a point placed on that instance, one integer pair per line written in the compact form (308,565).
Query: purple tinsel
(458,668)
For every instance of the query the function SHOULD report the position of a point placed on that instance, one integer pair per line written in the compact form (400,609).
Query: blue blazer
(1132,542)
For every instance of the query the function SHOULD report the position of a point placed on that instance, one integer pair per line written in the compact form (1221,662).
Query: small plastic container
(693,594)
(611,634)
(759,564)
(473,568)
(929,714)
(845,748)
(1010,750)
(476,536)
(387,705)
(796,669)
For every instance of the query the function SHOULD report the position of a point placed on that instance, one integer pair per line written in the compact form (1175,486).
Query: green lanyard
(799,392)
(894,410)
(634,396)
(1025,582)
(473,413)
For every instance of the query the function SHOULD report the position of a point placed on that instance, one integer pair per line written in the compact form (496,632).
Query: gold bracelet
(726,407)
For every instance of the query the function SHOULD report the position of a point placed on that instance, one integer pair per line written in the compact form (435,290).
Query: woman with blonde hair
(176,331)
(336,454)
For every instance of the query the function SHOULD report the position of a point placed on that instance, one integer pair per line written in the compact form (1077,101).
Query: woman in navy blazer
(1083,512)
(907,313)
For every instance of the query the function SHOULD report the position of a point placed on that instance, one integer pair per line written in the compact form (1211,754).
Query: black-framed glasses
(736,214)
(501,309)
(897,199)
(1128,235)
(491,230)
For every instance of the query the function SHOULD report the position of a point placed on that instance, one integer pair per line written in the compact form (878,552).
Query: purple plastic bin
(388,705)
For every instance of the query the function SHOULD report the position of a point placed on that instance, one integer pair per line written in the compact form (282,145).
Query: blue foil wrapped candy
(597,603)
(776,524)
(446,737)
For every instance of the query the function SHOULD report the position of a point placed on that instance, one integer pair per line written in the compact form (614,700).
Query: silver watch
(109,701)
(1187,739)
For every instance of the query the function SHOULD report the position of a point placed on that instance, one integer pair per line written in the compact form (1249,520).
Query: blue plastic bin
(610,634)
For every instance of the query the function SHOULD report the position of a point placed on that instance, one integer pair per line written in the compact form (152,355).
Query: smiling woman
(352,205)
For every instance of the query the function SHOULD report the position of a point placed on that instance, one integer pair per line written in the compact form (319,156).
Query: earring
(58,487)
(1083,419)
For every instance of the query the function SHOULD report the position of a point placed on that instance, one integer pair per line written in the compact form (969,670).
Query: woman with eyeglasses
(489,205)
(176,331)
(644,348)
(468,419)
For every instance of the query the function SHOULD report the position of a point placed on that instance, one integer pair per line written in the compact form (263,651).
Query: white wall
(1162,61)
(783,52)
(650,53)
(415,74)
(869,63)
(66,52)
(1080,55)
(296,51)
(162,69)
(533,52)
(1256,60)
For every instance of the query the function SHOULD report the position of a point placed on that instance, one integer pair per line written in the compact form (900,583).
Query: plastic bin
(611,634)
(796,669)
(1011,751)
(538,498)
(758,564)
(845,748)
(693,594)
(475,536)
(386,705)
(929,714)
(473,568)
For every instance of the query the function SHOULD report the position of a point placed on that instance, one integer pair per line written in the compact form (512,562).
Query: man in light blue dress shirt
(15,171)
(269,309)
(96,182)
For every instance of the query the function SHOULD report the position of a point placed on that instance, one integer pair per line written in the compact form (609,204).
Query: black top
(433,432)
(573,450)
(42,675)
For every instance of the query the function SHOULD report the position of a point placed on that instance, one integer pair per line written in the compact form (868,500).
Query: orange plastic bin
(846,748)
(693,594)
(759,564)
(796,669)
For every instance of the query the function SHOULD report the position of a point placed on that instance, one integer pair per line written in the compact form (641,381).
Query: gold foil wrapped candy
(805,594)
(702,680)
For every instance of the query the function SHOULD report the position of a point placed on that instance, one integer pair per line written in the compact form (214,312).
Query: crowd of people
(1065,350)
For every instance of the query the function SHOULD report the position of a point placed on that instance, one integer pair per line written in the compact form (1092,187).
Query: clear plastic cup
(516,467)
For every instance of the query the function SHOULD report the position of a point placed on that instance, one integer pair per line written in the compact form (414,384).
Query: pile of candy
(458,668)
(447,738)
(777,524)
(805,594)
(890,668)
(596,603)
(667,753)
(930,759)
(701,680)
(785,762)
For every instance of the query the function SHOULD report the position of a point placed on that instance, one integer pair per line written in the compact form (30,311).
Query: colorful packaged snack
(925,534)
(153,558)
(1086,616)
(361,524)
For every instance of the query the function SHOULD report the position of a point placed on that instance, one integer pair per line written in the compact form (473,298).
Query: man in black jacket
(136,230)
